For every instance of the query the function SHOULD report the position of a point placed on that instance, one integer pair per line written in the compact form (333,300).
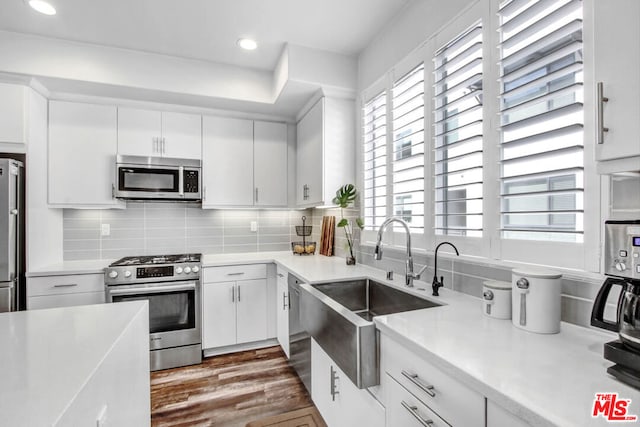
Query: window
(408,149)
(457,135)
(541,119)
(375,161)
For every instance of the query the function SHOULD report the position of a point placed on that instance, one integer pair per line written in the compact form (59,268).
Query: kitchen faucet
(438,284)
(408,267)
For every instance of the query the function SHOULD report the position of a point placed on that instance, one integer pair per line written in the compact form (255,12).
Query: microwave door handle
(148,290)
(181,181)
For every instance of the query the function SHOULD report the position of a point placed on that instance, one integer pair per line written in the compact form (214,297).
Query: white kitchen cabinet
(406,410)
(441,393)
(234,305)
(227,162)
(151,133)
(64,290)
(244,163)
(616,37)
(499,417)
(13,113)
(282,313)
(82,147)
(325,151)
(339,401)
(270,163)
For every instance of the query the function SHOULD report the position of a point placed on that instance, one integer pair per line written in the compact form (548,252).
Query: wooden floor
(229,390)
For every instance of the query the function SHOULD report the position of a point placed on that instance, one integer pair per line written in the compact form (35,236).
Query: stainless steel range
(171,284)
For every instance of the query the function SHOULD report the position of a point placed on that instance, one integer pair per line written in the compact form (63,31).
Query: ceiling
(208,29)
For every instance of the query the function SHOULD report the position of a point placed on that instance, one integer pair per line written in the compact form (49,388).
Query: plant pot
(351,260)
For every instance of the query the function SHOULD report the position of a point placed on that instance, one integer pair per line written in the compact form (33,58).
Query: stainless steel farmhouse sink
(339,316)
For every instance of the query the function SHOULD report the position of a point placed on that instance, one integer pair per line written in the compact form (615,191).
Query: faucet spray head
(377,252)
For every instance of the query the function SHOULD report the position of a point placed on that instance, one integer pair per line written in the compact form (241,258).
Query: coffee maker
(622,266)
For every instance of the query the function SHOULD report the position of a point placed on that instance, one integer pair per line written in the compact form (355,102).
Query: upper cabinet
(616,35)
(13,116)
(244,163)
(152,133)
(82,147)
(325,151)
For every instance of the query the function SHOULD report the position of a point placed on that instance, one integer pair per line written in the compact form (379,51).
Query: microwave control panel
(191,181)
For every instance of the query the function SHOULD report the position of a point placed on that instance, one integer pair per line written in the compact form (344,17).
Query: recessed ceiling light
(247,44)
(42,7)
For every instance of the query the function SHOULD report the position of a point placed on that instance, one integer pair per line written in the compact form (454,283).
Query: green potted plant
(345,196)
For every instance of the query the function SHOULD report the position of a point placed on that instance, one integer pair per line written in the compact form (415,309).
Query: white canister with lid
(496,299)
(536,300)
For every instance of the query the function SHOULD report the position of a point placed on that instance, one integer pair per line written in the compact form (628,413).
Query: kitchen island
(85,365)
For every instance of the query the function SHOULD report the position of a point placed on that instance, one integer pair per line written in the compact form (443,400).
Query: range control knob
(178,270)
(195,269)
(187,270)
(113,274)
(127,274)
(621,266)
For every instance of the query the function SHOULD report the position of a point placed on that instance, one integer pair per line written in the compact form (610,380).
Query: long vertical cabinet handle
(113,190)
(284,300)
(334,377)
(238,293)
(233,293)
(600,113)
(256,194)
(164,145)
(413,410)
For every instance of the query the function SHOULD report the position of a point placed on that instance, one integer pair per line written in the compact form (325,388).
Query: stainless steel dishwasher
(299,339)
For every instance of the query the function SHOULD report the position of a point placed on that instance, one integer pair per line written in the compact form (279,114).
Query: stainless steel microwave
(158,178)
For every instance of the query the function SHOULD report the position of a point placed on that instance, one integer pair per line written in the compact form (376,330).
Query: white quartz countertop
(48,355)
(544,379)
(71,267)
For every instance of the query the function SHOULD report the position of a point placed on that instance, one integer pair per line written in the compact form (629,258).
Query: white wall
(415,24)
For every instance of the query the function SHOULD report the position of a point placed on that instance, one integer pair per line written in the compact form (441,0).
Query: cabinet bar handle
(422,386)
(164,145)
(600,113)
(284,300)
(334,377)
(413,410)
(280,275)
(238,293)
(235,274)
(65,285)
(113,190)
(256,194)
(233,294)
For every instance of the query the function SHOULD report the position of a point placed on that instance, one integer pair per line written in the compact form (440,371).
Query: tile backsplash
(161,228)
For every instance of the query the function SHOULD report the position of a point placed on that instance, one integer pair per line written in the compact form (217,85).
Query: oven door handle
(152,290)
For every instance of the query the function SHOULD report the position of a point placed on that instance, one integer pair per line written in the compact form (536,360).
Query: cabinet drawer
(57,285)
(64,300)
(440,392)
(235,272)
(404,409)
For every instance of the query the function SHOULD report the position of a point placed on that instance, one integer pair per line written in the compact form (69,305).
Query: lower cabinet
(415,388)
(234,311)
(339,401)
(64,290)
(499,417)
(282,310)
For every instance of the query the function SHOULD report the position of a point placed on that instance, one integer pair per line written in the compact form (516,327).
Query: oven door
(149,182)
(174,310)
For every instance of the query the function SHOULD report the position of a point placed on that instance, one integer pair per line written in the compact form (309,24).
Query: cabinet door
(282,307)
(227,162)
(617,61)
(12,113)
(218,314)
(310,160)
(65,300)
(270,163)
(181,135)
(82,148)
(498,417)
(321,386)
(139,132)
(251,314)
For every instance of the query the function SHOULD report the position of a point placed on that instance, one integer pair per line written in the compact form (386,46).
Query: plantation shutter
(458,135)
(541,119)
(408,149)
(375,161)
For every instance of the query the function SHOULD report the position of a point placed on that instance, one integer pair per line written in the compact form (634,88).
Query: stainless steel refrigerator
(11,234)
